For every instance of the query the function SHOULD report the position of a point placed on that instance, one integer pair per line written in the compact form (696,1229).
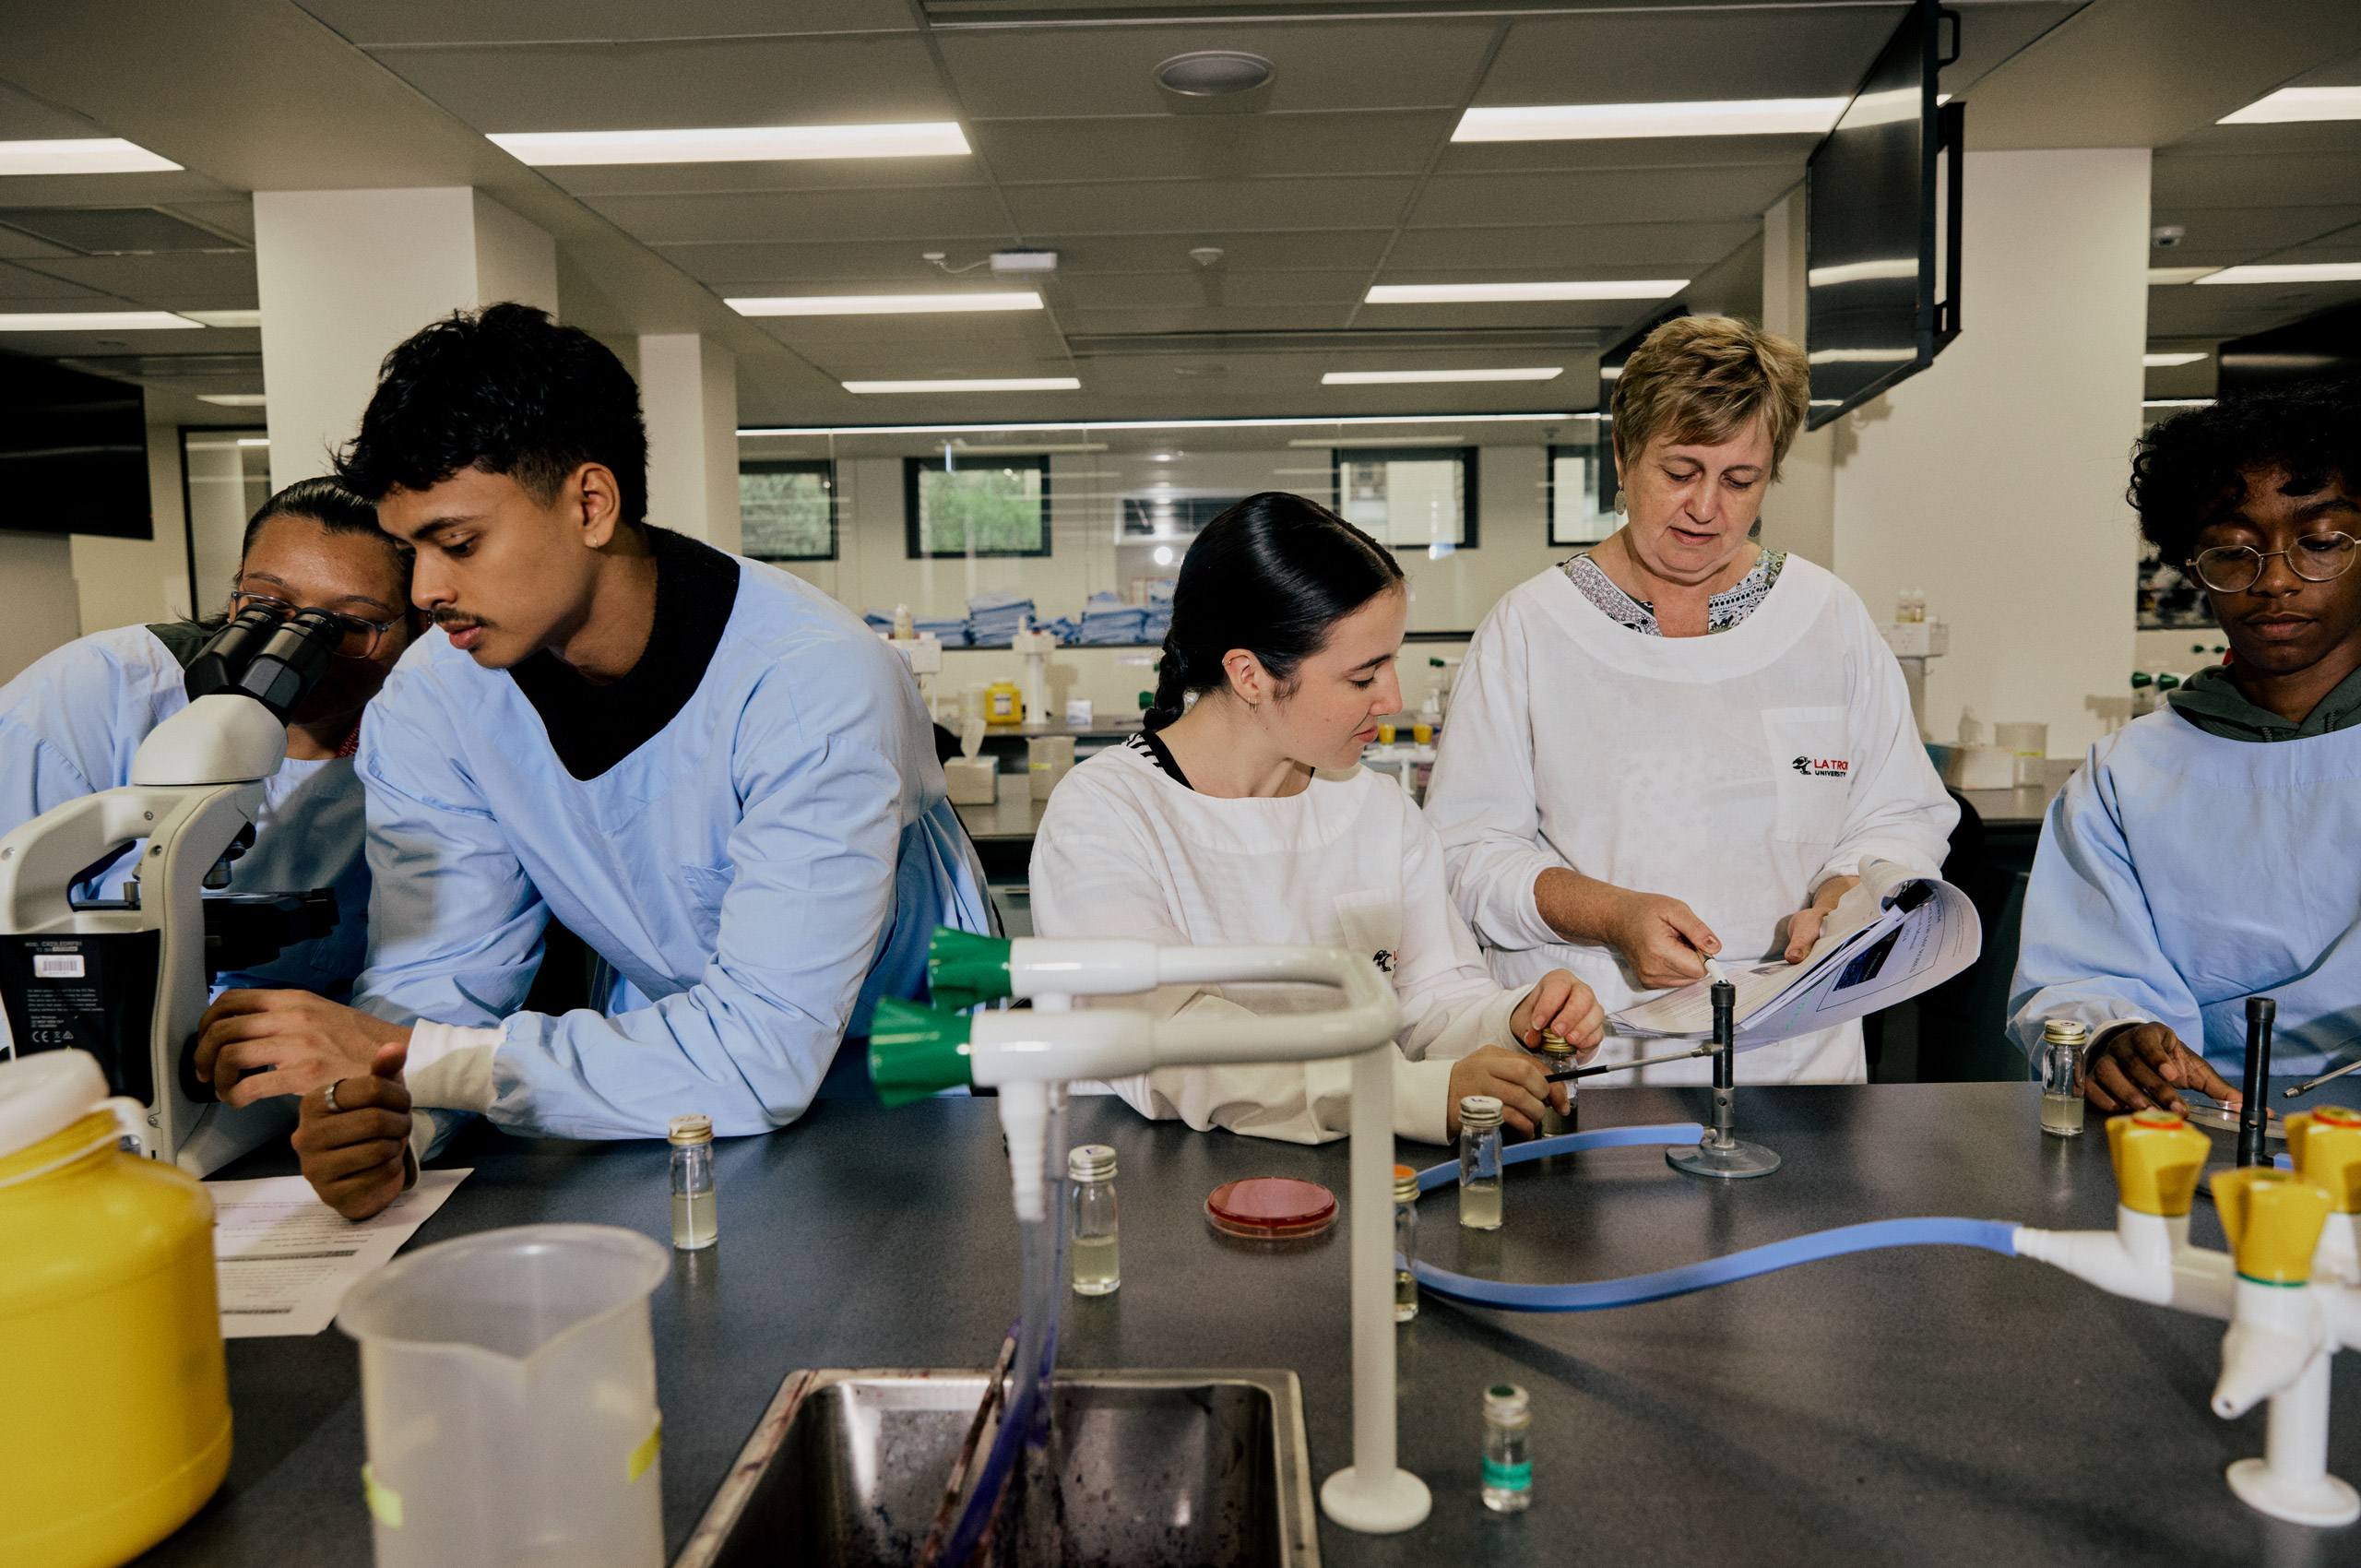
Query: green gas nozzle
(915,1051)
(963,968)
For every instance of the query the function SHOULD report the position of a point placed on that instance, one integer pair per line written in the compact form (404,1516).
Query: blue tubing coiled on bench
(1993,1235)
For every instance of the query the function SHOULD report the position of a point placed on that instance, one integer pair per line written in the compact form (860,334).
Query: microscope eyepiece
(273,661)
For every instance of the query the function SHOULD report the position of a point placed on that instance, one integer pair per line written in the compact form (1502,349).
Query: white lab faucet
(915,1051)
(2287,1286)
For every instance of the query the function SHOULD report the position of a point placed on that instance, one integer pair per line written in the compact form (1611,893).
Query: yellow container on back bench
(114,1395)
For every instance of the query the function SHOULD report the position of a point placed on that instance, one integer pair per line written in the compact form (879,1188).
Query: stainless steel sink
(846,1470)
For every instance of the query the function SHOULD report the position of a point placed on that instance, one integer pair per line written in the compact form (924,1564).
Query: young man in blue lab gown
(2211,851)
(711,772)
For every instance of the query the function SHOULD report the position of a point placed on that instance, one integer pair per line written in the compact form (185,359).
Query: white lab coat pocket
(1371,926)
(1813,767)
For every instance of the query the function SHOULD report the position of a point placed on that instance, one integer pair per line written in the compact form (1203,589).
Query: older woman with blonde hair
(1678,744)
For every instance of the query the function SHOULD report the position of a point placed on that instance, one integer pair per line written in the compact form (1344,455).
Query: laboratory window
(787,509)
(1408,497)
(997,508)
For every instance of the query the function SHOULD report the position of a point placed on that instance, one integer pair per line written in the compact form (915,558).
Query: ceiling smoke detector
(2166,236)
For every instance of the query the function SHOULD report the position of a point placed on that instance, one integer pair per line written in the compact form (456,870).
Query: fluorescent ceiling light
(1863,271)
(2291,272)
(1412,378)
(86,155)
(233,399)
(881,304)
(2177,403)
(745,144)
(97,321)
(1514,294)
(2157,275)
(2298,103)
(1294,422)
(1861,356)
(225,317)
(1715,117)
(2164,362)
(254,440)
(1000,384)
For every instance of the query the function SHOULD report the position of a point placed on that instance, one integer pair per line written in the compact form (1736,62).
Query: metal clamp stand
(1719,1154)
(2254,1113)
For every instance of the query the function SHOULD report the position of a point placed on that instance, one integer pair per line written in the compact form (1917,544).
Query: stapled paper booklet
(1900,932)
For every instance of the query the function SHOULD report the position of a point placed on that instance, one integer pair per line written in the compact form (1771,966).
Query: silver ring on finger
(334,1108)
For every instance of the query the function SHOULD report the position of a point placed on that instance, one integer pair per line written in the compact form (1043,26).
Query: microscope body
(127,979)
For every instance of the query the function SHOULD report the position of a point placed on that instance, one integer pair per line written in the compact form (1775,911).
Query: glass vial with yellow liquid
(1479,1163)
(695,1224)
(1558,1056)
(1098,1266)
(1405,1244)
(2063,1041)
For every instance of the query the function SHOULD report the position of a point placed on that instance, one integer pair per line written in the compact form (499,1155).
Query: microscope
(126,978)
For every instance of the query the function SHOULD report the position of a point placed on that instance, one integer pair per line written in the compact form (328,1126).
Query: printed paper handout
(1900,932)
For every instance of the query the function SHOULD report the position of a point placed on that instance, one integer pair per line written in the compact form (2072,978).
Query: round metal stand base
(1733,1161)
(2327,1502)
(1400,1505)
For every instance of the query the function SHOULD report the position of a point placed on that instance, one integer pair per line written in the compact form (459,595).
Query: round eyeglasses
(359,637)
(2316,558)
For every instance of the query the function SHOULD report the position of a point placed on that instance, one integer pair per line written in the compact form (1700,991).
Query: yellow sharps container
(113,1398)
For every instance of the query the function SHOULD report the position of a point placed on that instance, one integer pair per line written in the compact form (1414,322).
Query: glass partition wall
(1083,526)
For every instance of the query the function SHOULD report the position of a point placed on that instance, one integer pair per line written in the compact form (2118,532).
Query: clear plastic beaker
(508,1389)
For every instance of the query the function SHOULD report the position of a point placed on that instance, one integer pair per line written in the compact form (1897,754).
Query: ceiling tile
(1209,206)
(164,281)
(1632,249)
(811,215)
(804,81)
(1634,152)
(2273,140)
(2232,311)
(784,174)
(1367,64)
(1674,55)
(1725,195)
(114,231)
(1255,318)
(18,283)
(371,22)
(1182,290)
(2244,233)
(2296,179)
(24,117)
(1215,146)
(1310,250)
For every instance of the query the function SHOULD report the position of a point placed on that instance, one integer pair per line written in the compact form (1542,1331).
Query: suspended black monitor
(1882,223)
(72,452)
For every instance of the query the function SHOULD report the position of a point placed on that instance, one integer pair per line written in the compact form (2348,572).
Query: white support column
(688,389)
(346,275)
(1800,515)
(1994,480)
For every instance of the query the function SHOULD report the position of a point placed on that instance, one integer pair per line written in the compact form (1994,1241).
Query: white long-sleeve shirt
(1124,849)
(1735,772)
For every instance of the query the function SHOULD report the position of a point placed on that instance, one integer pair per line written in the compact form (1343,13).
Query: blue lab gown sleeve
(831,867)
(2091,950)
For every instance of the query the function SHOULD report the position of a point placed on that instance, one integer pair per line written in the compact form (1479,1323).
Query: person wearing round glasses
(72,722)
(2205,853)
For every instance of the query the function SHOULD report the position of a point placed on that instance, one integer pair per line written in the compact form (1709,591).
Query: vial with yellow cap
(695,1222)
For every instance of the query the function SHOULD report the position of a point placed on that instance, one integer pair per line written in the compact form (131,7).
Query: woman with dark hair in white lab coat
(1677,744)
(1244,817)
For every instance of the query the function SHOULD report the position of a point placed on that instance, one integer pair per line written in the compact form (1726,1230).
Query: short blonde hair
(1702,380)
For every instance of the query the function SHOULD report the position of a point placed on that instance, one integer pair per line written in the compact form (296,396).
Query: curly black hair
(2192,468)
(508,390)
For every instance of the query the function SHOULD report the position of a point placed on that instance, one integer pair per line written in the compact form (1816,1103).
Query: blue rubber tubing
(1993,1235)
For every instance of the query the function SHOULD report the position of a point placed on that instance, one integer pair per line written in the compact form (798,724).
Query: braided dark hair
(2192,468)
(1271,575)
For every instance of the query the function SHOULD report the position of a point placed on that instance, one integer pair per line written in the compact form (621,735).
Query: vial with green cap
(1508,1462)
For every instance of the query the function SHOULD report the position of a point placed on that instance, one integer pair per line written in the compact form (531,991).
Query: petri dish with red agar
(1271,1208)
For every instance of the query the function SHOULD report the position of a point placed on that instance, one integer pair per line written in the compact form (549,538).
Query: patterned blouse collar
(1724,610)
